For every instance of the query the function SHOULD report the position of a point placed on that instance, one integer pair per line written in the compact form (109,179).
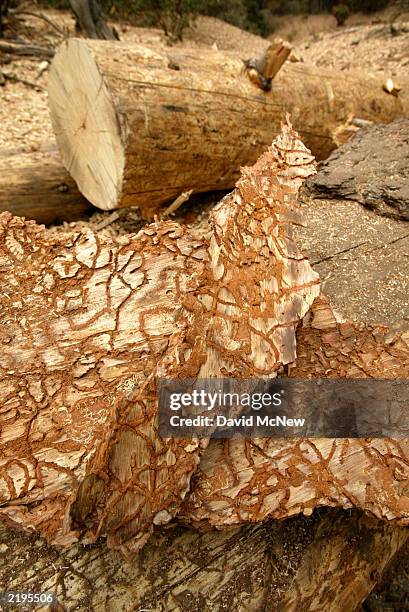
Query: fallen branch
(16,79)
(172,208)
(55,26)
(17,49)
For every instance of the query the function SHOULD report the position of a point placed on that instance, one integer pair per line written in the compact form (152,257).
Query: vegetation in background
(324,6)
(173,16)
(341,13)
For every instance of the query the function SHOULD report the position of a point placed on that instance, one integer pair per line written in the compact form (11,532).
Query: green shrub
(341,13)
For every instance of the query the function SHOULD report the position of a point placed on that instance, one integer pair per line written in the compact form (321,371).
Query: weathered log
(37,186)
(241,481)
(331,560)
(90,325)
(138,127)
(26,50)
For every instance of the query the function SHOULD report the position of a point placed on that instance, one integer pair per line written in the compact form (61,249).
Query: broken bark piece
(263,70)
(240,481)
(275,56)
(90,325)
(360,170)
(240,320)
(37,186)
(135,132)
(260,284)
(85,322)
(332,559)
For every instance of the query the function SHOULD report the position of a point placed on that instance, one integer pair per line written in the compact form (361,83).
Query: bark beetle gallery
(87,326)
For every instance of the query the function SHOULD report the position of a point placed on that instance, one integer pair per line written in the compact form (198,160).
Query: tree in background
(91,21)
(3,15)
(341,13)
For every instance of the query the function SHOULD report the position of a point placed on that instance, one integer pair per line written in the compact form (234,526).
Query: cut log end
(86,124)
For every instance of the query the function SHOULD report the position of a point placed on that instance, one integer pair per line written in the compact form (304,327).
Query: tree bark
(91,21)
(92,323)
(360,170)
(37,186)
(241,481)
(138,127)
(331,560)
(88,326)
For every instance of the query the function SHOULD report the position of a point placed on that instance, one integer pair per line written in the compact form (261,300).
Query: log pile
(87,326)
(138,127)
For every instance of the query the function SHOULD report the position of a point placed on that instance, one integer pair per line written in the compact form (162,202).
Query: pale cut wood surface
(138,127)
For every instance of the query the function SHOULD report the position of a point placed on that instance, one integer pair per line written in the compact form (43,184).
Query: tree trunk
(91,21)
(330,561)
(37,186)
(4,5)
(138,127)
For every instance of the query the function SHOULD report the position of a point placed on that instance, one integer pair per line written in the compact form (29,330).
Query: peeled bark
(138,127)
(246,481)
(38,187)
(90,325)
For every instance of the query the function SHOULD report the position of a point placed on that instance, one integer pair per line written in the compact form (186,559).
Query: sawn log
(138,127)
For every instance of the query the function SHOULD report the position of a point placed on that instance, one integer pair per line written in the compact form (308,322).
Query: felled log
(138,127)
(240,481)
(361,170)
(37,186)
(26,50)
(302,563)
(88,324)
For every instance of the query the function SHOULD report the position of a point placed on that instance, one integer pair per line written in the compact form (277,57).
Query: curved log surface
(138,127)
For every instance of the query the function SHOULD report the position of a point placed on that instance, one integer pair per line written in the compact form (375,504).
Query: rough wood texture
(89,324)
(138,127)
(361,170)
(90,19)
(331,560)
(241,481)
(26,50)
(37,186)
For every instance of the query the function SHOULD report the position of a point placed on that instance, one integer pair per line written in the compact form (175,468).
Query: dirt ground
(362,258)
